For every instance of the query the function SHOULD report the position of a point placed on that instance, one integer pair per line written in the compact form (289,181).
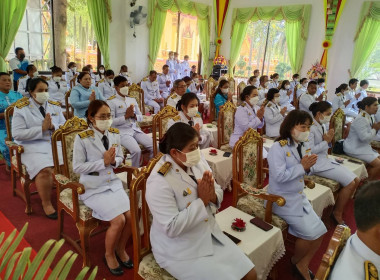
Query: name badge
(287,154)
(54,114)
(121,106)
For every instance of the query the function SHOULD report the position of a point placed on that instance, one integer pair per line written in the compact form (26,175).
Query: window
(264,48)
(371,70)
(35,35)
(81,45)
(180,35)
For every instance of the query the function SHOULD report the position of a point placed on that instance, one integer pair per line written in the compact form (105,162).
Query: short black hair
(366,206)
(246,92)
(302,80)
(262,78)
(34,82)
(18,49)
(251,78)
(364,82)
(71,64)
(353,81)
(4,74)
(152,72)
(321,106)
(320,80)
(340,88)
(29,68)
(294,118)
(177,137)
(118,80)
(186,99)
(55,69)
(109,72)
(186,79)
(367,101)
(295,76)
(284,82)
(311,83)
(271,93)
(165,66)
(81,75)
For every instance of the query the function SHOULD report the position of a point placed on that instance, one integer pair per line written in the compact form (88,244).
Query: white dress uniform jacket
(306,100)
(350,95)
(99,77)
(185,237)
(320,90)
(173,69)
(129,80)
(185,69)
(162,79)
(22,86)
(262,94)
(27,131)
(358,142)
(273,119)
(285,100)
(106,88)
(173,100)
(350,264)
(273,84)
(57,91)
(338,102)
(69,75)
(151,92)
(206,136)
(245,117)
(301,90)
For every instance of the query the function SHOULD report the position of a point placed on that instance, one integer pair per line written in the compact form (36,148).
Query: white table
(221,167)
(268,143)
(358,169)
(263,248)
(320,198)
(213,130)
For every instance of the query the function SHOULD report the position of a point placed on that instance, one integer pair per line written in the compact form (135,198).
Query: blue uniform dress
(104,190)
(358,142)
(27,131)
(326,167)
(80,99)
(186,240)
(286,178)
(219,100)
(6,99)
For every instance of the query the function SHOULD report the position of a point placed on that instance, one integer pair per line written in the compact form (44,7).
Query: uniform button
(109,172)
(300,192)
(108,181)
(206,220)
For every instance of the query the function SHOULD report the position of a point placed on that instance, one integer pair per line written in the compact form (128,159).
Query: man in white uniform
(185,67)
(164,81)
(309,97)
(179,88)
(360,258)
(125,74)
(152,96)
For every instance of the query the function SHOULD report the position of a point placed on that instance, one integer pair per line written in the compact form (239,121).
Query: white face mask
(91,71)
(287,87)
(74,69)
(346,91)
(276,100)
(323,85)
(192,112)
(101,71)
(103,125)
(266,84)
(125,73)
(254,100)
(225,90)
(35,74)
(301,136)
(124,91)
(57,79)
(296,80)
(109,80)
(305,85)
(42,97)
(275,80)
(172,57)
(325,119)
(192,158)
(196,80)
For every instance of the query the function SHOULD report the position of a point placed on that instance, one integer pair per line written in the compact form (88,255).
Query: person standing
(185,67)
(18,65)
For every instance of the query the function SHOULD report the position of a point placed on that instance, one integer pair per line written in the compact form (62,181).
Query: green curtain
(297,20)
(100,16)
(11,12)
(156,22)
(367,35)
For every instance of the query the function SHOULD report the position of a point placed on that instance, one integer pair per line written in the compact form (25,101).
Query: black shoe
(336,221)
(128,264)
(298,273)
(118,271)
(312,276)
(52,216)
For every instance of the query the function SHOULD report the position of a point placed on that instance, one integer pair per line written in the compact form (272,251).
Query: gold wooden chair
(145,266)
(210,86)
(375,145)
(160,124)
(137,93)
(18,170)
(73,82)
(241,86)
(69,188)
(69,109)
(248,194)
(226,122)
(232,83)
(336,245)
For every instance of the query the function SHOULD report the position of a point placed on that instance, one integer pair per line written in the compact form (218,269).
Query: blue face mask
(187,90)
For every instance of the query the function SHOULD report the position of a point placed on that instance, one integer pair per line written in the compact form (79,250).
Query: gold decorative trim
(134,87)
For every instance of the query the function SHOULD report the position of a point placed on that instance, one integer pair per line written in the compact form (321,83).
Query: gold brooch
(187,192)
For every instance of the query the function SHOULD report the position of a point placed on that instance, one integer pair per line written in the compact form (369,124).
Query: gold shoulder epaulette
(86,134)
(48,79)
(243,104)
(22,103)
(145,79)
(164,169)
(370,270)
(339,94)
(112,97)
(56,103)
(269,104)
(283,142)
(101,81)
(363,114)
(177,118)
(114,130)
(23,77)
(198,115)
(174,96)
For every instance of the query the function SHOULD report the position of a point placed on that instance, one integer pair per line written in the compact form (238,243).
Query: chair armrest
(309,183)
(130,171)
(15,150)
(14,146)
(265,170)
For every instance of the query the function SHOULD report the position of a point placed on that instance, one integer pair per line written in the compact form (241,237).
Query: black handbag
(338,147)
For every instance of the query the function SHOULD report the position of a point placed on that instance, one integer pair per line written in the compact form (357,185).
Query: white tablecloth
(358,169)
(214,134)
(264,248)
(221,167)
(268,143)
(320,197)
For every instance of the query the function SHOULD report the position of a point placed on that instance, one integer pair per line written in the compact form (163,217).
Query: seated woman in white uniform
(106,86)
(274,81)
(363,130)
(183,197)
(274,114)
(289,161)
(97,152)
(57,85)
(33,124)
(285,95)
(100,75)
(340,101)
(188,111)
(320,141)
(248,114)
(302,88)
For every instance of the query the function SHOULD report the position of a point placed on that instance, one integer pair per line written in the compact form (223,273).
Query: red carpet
(41,229)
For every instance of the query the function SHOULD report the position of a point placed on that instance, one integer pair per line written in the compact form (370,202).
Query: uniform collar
(98,133)
(118,96)
(361,248)
(179,171)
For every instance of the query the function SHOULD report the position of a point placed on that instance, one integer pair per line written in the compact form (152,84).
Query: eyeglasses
(182,86)
(104,117)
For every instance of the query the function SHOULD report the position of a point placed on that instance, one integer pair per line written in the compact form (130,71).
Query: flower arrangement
(213,152)
(316,71)
(220,60)
(238,225)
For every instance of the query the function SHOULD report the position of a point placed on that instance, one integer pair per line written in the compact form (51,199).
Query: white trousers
(132,144)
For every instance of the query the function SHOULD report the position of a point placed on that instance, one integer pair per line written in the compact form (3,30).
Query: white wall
(124,49)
